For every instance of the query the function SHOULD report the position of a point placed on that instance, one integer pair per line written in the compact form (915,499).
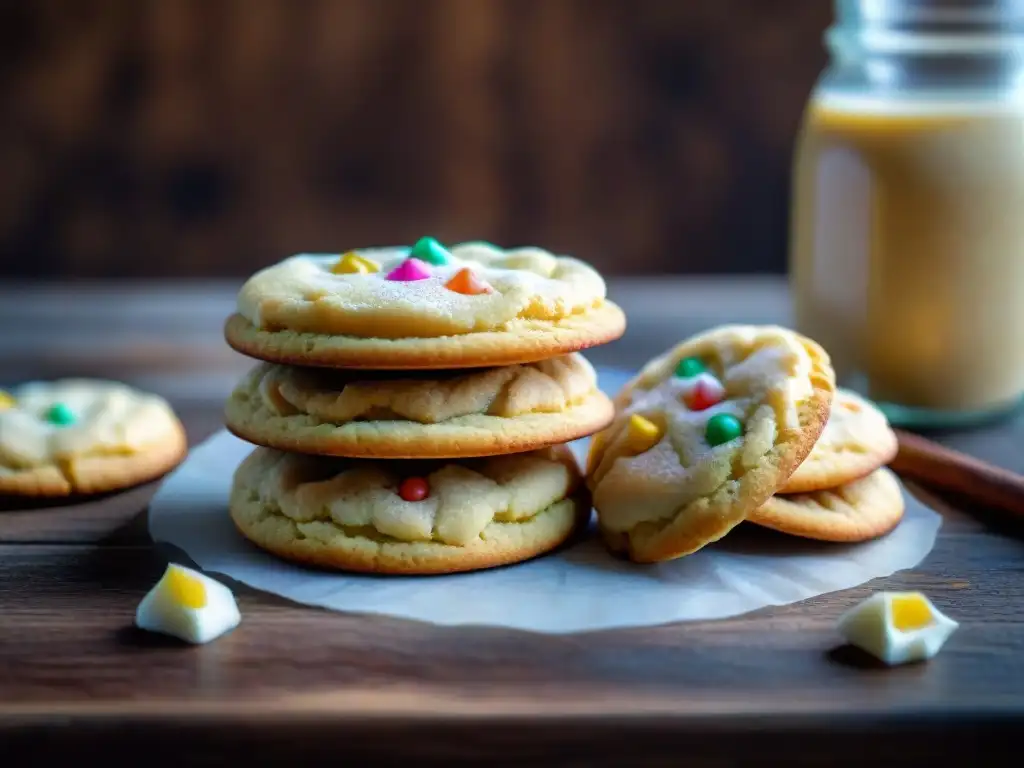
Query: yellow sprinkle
(352,263)
(910,612)
(642,434)
(186,590)
(6,401)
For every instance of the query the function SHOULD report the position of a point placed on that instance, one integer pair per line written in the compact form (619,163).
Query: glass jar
(907,239)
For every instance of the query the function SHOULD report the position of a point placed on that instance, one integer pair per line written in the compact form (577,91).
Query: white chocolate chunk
(189,606)
(897,627)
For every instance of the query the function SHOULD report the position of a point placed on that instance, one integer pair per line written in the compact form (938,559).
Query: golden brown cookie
(860,510)
(405,517)
(83,436)
(706,433)
(383,309)
(856,441)
(477,412)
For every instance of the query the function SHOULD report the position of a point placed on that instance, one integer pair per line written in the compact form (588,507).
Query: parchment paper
(578,589)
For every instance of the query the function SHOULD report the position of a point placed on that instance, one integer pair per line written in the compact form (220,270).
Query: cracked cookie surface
(419,415)
(357,515)
(860,510)
(301,311)
(856,441)
(82,436)
(705,434)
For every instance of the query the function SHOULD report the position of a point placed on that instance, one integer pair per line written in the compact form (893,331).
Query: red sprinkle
(414,489)
(702,396)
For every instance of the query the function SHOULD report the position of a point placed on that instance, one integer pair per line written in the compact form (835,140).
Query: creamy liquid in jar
(907,246)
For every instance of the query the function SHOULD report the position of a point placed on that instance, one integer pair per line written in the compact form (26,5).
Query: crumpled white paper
(579,589)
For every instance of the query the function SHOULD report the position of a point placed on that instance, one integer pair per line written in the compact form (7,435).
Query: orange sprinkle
(467,283)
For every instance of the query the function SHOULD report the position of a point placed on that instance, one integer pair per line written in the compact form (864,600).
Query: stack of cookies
(412,405)
(740,423)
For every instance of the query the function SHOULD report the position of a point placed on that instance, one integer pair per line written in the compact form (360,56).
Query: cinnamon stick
(929,463)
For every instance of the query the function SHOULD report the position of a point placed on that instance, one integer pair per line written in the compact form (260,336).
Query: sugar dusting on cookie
(523,282)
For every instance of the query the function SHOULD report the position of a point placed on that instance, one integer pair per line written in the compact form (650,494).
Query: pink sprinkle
(409,270)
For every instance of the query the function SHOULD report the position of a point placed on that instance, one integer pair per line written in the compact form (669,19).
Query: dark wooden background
(208,137)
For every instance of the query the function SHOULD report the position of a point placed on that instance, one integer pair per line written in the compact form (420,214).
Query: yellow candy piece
(6,401)
(642,434)
(185,589)
(354,264)
(910,612)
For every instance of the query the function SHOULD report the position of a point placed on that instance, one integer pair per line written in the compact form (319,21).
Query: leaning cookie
(860,510)
(408,517)
(425,308)
(84,436)
(705,434)
(856,441)
(433,414)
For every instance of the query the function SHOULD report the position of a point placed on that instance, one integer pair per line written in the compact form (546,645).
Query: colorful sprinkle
(6,400)
(414,489)
(721,428)
(409,271)
(689,367)
(353,264)
(432,252)
(705,392)
(466,282)
(60,414)
(642,434)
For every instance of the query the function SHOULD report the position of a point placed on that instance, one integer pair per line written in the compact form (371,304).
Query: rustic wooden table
(295,683)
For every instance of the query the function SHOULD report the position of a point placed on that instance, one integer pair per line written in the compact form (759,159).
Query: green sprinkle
(689,367)
(721,428)
(60,414)
(429,250)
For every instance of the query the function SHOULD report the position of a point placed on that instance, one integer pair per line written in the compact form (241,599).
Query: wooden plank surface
(296,682)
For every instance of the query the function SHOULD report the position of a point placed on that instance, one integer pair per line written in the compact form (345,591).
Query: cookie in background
(84,436)
(842,491)
(856,441)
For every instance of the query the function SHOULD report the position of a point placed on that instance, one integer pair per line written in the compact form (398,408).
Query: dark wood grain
(71,654)
(209,137)
(294,683)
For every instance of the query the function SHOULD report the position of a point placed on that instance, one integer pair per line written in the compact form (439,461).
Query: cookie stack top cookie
(424,307)
(421,352)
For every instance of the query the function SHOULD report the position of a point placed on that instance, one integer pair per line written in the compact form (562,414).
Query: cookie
(83,436)
(856,441)
(383,308)
(431,414)
(860,510)
(705,434)
(415,517)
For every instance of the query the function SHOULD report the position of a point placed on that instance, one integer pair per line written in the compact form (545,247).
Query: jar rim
(948,14)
